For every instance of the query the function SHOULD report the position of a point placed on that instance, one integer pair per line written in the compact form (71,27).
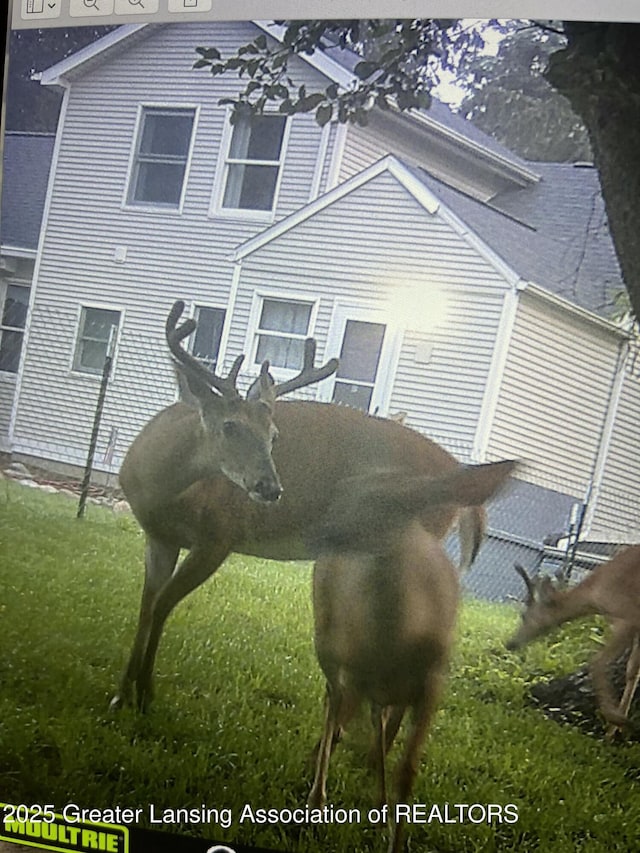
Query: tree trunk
(599,72)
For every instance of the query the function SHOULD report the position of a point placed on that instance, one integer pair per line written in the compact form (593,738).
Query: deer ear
(262,388)
(196,393)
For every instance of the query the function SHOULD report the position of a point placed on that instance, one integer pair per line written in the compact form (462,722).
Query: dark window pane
(92,355)
(159,183)
(166,134)
(250,187)
(257,138)
(98,323)
(357,396)
(10,346)
(15,306)
(206,344)
(360,352)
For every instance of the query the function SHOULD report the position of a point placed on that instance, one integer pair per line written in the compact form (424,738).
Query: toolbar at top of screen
(31,10)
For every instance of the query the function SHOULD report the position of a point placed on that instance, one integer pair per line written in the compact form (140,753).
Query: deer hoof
(615,719)
(117,702)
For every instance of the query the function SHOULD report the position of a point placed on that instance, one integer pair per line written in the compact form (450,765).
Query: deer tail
(472,525)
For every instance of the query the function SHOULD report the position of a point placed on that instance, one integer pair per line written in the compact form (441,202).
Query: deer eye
(231,429)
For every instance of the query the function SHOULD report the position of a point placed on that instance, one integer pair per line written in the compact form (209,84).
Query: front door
(362,340)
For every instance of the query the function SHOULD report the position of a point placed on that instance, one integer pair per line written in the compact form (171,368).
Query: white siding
(554,395)
(168,254)
(368,246)
(7,390)
(617,508)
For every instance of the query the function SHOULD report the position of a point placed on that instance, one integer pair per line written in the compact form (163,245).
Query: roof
(553,233)
(25,175)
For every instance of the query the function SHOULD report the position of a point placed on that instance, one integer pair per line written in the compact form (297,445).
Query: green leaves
(396,62)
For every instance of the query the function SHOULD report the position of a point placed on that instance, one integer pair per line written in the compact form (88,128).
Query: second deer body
(611,590)
(385,609)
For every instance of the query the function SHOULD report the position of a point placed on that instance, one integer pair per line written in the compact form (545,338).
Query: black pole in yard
(97,417)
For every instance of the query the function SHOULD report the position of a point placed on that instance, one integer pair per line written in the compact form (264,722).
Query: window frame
(74,367)
(254,332)
(128,201)
(222,171)
(5,284)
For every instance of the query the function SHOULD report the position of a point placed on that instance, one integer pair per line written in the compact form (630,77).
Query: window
(206,341)
(97,326)
(282,329)
(13,322)
(253,163)
(161,157)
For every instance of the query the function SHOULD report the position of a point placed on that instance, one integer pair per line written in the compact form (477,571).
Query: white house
(457,281)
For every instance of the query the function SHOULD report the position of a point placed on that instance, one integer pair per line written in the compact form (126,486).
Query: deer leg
(422,715)
(199,564)
(318,794)
(622,635)
(393,724)
(379,718)
(340,705)
(632,677)
(160,561)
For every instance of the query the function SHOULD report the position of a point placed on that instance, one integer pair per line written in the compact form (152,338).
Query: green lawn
(238,704)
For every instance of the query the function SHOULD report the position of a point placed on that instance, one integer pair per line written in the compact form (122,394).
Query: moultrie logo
(40,826)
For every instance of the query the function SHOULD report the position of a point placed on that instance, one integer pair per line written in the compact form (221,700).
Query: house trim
(56,74)
(564,304)
(337,156)
(18,252)
(323,148)
(501,163)
(493,386)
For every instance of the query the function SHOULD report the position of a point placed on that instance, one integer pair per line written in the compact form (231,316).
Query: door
(362,339)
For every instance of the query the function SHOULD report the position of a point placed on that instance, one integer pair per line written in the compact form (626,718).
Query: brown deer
(205,474)
(612,590)
(385,607)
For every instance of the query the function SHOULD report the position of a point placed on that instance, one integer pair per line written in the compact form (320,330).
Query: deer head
(542,610)
(237,434)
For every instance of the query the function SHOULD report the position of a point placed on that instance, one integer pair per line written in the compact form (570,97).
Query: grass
(238,704)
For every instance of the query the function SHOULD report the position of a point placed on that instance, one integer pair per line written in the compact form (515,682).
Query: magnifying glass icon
(91,4)
(136,3)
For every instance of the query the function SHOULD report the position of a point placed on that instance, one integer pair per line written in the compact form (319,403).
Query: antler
(176,334)
(309,374)
(531,588)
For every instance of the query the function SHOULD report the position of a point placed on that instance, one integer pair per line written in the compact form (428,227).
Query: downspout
(604,441)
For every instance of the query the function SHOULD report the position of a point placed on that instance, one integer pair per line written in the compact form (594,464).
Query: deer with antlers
(385,598)
(612,590)
(207,474)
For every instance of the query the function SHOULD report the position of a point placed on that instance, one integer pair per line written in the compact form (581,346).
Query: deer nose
(268,490)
